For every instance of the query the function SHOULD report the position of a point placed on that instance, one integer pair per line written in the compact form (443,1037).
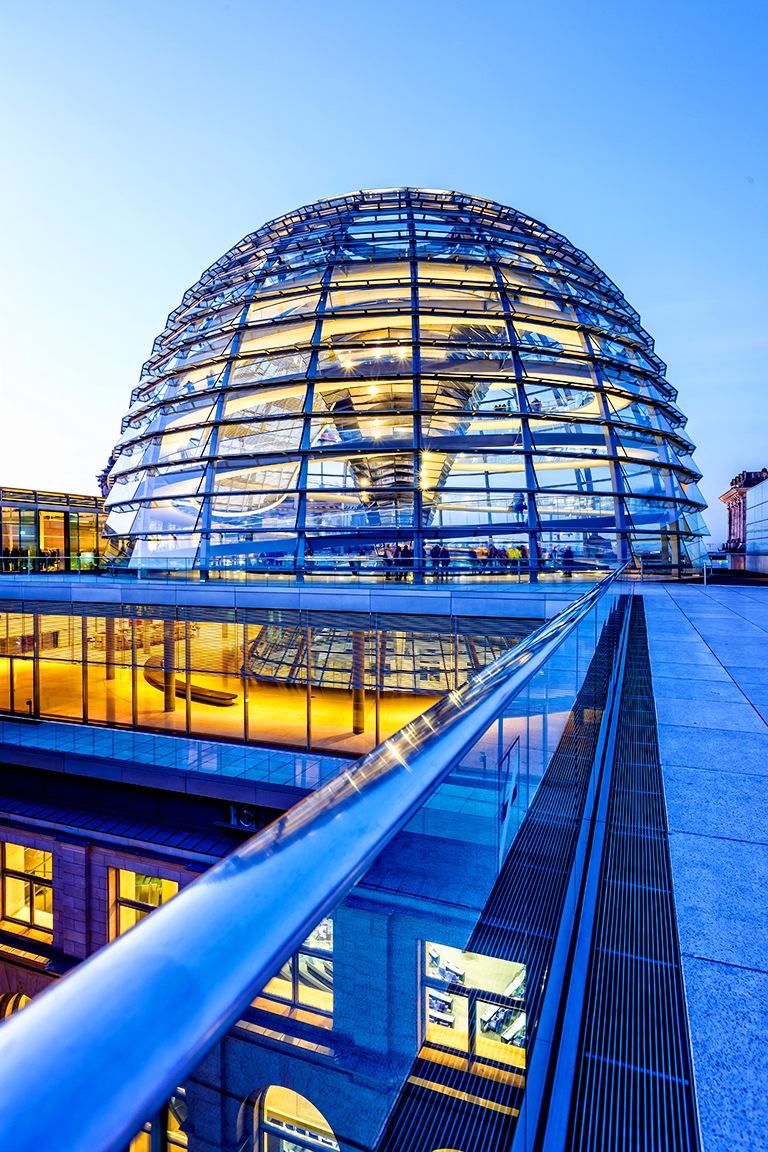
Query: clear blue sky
(140,141)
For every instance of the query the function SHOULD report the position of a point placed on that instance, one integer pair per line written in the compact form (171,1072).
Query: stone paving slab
(728,1007)
(722,715)
(713,802)
(669,687)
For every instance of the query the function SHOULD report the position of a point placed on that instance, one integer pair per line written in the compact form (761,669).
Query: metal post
(358,682)
(134,678)
(243,669)
(84,664)
(109,649)
(376,679)
(309,686)
(169,665)
(36,645)
(188,682)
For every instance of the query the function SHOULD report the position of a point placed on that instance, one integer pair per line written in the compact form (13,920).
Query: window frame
(136,905)
(27,878)
(293,960)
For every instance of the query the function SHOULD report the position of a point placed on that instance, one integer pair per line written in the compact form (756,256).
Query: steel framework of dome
(401,366)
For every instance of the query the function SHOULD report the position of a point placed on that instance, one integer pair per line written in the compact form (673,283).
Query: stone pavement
(709,660)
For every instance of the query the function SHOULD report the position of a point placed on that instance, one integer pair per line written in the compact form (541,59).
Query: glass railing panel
(407,1018)
(408,1014)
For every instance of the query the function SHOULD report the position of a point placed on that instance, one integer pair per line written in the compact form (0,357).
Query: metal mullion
(203,551)
(83,666)
(188,678)
(245,680)
(309,404)
(36,664)
(134,677)
(534,528)
(136,904)
(416,458)
(617,479)
(27,876)
(308,626)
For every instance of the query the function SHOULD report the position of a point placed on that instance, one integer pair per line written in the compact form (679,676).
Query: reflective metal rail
(90,1060)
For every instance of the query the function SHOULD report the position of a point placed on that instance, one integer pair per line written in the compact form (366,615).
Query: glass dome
(401,368)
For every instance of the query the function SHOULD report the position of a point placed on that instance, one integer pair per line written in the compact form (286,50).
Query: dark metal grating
(633,1087)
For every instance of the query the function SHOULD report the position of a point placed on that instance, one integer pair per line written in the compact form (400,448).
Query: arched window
(285,1121)
(11,1002)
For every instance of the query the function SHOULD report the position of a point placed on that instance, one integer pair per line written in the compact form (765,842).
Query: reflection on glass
(474,1005)
(177,1118)
(306,979)
(288,1122)
(281,986)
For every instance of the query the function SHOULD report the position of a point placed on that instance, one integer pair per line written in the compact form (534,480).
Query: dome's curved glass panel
(401,366)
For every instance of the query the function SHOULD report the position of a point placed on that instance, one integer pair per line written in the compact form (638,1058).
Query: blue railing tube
(90,1060)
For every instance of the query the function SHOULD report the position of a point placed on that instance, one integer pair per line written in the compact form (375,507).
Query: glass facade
(49,531)
(401,369)
(321,681)
(757,519)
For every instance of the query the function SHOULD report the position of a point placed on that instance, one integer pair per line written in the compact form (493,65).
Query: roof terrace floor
(709,660)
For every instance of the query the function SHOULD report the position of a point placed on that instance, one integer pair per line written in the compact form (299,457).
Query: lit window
(27,891)
(286,1120)
(306,979)
(475,1005)
(12,1002)
(176,1118)
(136,895)
(169,1124)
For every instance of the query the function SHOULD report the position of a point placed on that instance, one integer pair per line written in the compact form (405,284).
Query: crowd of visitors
(15,559)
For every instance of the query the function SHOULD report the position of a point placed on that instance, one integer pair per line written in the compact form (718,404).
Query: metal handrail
(90,1060)
(344,567)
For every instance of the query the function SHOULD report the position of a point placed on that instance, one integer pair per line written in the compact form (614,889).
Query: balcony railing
(356,569)
(93,1058)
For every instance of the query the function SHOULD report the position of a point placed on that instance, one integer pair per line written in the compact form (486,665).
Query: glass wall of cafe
(324,681)
(51,532)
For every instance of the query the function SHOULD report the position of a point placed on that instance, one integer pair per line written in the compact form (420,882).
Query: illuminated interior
(306,980)
(136,895)
(328,687)
(286,1121)
(474,1006)
(49,531)
(27,891)
(401,369)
